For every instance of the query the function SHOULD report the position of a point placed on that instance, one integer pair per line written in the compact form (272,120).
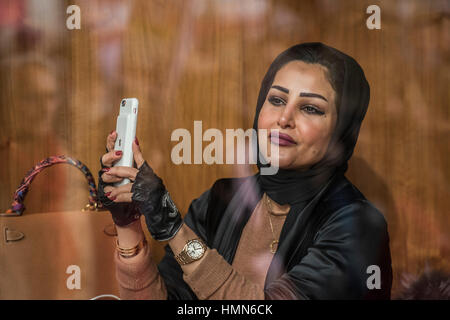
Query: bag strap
(18,207)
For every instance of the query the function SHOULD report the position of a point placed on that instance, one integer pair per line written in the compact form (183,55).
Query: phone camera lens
(123,103)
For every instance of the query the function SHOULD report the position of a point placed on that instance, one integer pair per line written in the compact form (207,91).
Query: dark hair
(432,284)
(331,61)
(312,53)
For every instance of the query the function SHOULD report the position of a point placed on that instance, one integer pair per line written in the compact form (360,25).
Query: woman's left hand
(148,194)
(153,200)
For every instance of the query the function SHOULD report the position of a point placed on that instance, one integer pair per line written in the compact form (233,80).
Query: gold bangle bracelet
(130,252)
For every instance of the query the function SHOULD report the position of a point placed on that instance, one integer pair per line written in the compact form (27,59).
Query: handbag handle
(17,206)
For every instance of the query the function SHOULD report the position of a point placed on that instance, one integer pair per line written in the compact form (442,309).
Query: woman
(303,233)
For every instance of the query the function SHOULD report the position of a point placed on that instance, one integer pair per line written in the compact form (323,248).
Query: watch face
(195,249)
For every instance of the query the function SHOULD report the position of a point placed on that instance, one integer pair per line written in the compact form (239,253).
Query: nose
(286,119)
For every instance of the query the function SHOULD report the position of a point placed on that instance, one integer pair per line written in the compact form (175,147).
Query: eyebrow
(281,89)
(312,95)
(302,94)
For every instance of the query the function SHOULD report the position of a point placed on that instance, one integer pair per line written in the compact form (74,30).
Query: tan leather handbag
(57,255)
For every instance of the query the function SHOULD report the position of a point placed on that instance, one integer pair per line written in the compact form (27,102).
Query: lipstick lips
(283,139)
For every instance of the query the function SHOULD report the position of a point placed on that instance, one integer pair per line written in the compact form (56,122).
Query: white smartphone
(126,132)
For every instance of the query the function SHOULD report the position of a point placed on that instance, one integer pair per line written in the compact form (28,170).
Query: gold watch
(193,250)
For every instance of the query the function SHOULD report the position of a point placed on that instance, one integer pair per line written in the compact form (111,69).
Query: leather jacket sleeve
(170,270)
(340,264)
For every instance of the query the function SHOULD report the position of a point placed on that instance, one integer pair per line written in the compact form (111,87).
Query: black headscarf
(352,100)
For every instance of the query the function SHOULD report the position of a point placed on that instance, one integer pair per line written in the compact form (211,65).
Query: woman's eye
(312,110)
(276,101)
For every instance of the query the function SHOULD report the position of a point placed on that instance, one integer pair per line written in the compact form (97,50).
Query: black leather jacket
(325,249)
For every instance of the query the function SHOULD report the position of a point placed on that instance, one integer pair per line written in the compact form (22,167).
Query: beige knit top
(214,278)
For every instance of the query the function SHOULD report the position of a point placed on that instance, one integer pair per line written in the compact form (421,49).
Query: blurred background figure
(431,284)
(35,122)
(30,127)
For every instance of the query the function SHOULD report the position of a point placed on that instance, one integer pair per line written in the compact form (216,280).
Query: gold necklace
(269,209)
(274,242)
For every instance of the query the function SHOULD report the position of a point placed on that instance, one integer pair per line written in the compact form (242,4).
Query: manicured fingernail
(118,153)
(136,140)
(113,198)
(107,194)
(106,169)
(112,132)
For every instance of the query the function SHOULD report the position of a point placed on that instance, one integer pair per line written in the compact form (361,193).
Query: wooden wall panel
(204,60)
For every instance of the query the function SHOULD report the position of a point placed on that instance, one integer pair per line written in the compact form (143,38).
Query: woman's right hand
(146,194)
(123,213)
